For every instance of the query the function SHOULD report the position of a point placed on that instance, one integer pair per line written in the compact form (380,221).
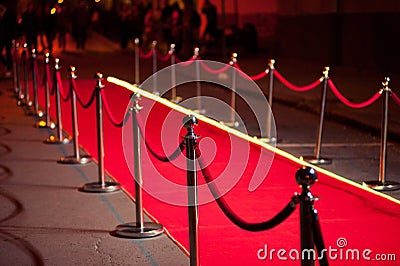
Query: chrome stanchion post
(59,139)
(138,229)
(101,186)
(34,81)
(190,142)
(46,123)
(76,158)
(232,122)
(20,95)
(174,97)
(26,101)
(155,84)
(137,62)
(316,159)
(200,109)
(382,184)
(15,75)
(269,138)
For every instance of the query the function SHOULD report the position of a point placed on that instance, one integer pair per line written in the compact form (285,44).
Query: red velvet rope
(144,55)
(62,92)
(109,113)
(255,77)
(186,63)
(396,98)
(351,104)
(294,87)
(91,99)
(214,71)
(163,58)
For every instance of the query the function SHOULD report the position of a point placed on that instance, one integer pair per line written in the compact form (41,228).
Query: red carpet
(347,212)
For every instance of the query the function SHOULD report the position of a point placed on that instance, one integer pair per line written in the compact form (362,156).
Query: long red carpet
(352,219)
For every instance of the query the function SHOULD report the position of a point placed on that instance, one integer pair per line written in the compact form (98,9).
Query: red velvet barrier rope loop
(349,103)
(294,87)
(165,57)
(254,227)
(214,71)
(80,101)
(64,97)
(109,113)
(144,55)
(396,98)
(162,158)
(255,77)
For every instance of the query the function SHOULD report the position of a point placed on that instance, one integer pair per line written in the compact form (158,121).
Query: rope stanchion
(316,159)
(102,186)
(269,138)
(77,158)
(190,142)
(199,104)
(138,229)
(294,87)
(349,103)
(232,121)
(110,115)
(59,139)
(155,82)
(18,88)
(25,101)
(382,184)
(174,97)
(144,55)
(137,62)
(34,81)
(15,46)
(46,123)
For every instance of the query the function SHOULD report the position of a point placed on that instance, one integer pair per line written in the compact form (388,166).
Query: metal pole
(137,62)
(15,78)
(20,96)
(76,158)
(232,122)
(317,159)
(155,84)
(60,139)
(174,98)
(382,184)
(190,142)
(306,177)
(27,100)
(34,80)
(269,138)
(101,186)
(47,123)
(198,85)
(138,229)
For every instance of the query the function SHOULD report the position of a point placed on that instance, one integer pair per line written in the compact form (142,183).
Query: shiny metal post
(34,82)
(101,186)
(232,122)
(137,62)
(138,229)
(174,97)
(76,158)
(269,138)
(20,95)
(59,139)
(199,109)
(190,142)
(46,123)
(15,77)
(316,159)
(155,82)
(26,97)
(382,184)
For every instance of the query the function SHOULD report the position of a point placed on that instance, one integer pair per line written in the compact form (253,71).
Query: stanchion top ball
(306,176)
(189,121)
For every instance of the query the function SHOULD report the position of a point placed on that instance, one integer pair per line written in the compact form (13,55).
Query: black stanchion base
(83,159)
(44,124)
(97,187)
(317,161)
(132,230)
(379,186)
(56,140)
